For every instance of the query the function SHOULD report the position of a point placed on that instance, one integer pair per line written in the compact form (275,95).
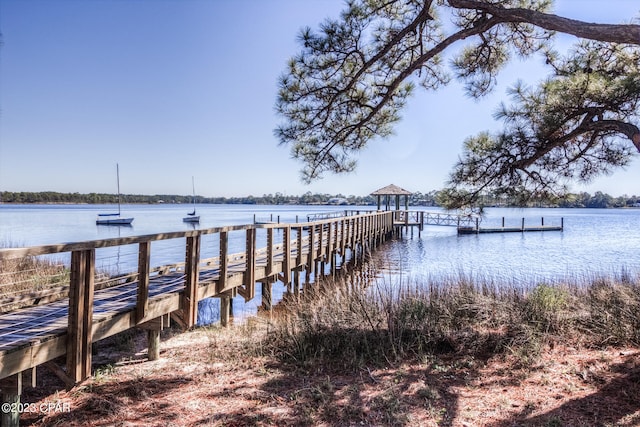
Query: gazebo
(392,190)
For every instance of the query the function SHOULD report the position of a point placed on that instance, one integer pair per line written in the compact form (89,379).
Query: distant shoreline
(428,199)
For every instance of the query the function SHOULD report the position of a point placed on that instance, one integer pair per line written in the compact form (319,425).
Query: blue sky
(171,89)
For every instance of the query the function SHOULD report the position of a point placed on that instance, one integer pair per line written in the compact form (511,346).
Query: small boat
(114,218)
(191,216)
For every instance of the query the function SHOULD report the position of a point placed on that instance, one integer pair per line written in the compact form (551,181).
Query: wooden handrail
(301,246)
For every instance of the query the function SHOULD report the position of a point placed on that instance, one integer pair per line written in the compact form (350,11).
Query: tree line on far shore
(430,198)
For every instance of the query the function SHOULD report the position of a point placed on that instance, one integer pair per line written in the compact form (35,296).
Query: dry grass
(466,355)
(354,327)
(30,274)
(206,378)
(35,280)
(24,281)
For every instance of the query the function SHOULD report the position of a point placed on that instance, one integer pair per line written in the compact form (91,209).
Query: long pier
(465,223)
(87,306)
(151,297)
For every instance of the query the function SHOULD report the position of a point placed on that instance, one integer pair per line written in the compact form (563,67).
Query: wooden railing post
(312,251)
(363,231)
(339,233)
(224,262)
(321,239)
(144,261)
(270,251)
(80,320)
(250,273)
(347,231)
(286,264)
(367,231)
(356,234)
(299,238)
(333,237)
(190,296)
(376,230)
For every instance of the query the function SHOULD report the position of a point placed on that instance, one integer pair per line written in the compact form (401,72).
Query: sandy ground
(204,378)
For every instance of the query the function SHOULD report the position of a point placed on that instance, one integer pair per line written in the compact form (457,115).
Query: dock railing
(149,296)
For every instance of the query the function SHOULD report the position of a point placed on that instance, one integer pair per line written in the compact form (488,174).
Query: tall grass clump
(335,324)
(355,326)
(348,326)
(613,309)
(544,308)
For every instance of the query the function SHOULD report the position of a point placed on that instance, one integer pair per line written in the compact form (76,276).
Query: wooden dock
(151,297)
(522,228)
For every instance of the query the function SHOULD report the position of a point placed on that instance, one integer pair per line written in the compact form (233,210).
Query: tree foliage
(351,79)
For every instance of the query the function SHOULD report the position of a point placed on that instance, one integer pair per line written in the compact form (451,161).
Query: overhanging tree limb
(350,83)
(614,33)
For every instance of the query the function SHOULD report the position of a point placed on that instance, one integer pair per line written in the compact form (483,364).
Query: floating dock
(476,229)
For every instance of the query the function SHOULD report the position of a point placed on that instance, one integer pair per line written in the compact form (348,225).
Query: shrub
(544,308)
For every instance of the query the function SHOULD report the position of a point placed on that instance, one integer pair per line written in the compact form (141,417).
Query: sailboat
(114,218)
(191,216)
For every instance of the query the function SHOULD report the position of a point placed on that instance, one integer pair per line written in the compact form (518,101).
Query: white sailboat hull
(114,221)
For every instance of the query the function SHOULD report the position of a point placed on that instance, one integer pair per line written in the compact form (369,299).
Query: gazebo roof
(391,190)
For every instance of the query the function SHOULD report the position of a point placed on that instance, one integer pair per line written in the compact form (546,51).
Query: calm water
(595,242)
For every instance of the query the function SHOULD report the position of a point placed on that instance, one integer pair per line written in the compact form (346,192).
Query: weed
(102,372)
(554,422)
(428,393)
(544,306)
(390,407)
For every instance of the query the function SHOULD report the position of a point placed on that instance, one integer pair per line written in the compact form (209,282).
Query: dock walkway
(150,297)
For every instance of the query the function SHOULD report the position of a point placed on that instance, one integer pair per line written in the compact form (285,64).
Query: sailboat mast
(193,199)
(118,180)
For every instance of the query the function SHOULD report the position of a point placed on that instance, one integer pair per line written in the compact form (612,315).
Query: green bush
(544,308)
